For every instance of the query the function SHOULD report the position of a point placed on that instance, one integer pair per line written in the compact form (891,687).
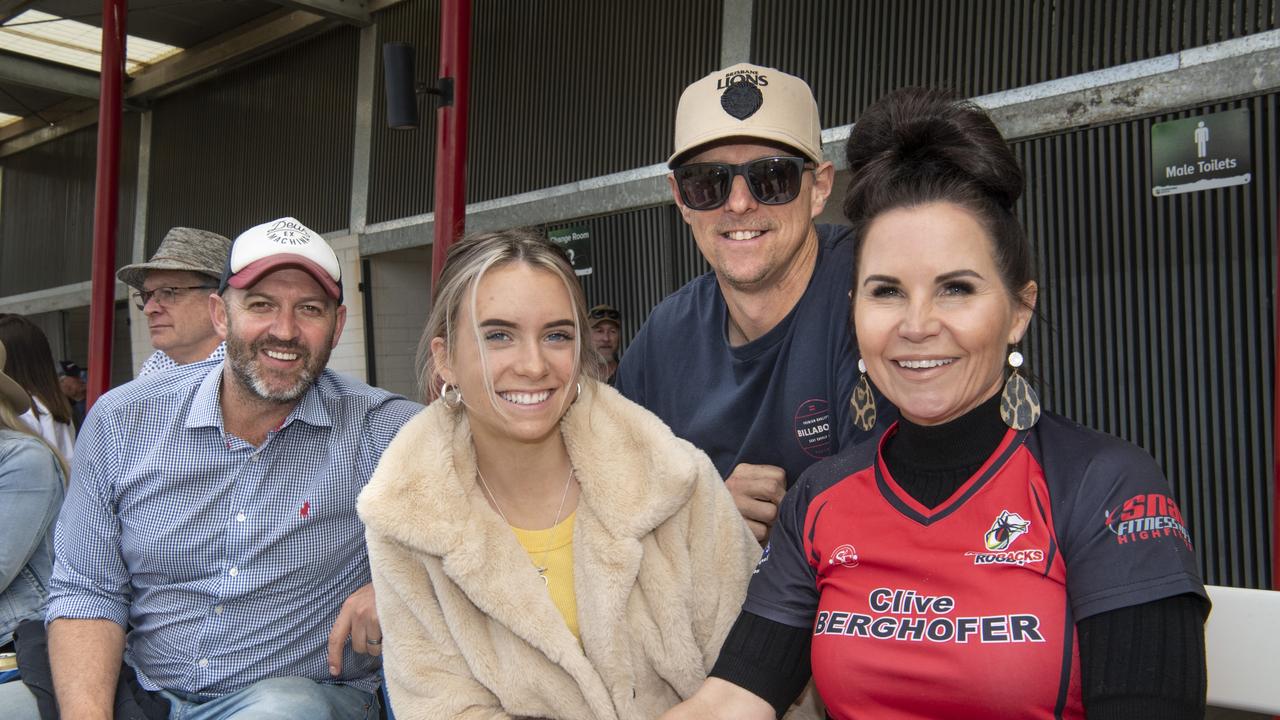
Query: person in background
(606,336)
(71,378)
(32,477)
(542,547)
(172,290)
(983,559)
(30,362)
(753,362)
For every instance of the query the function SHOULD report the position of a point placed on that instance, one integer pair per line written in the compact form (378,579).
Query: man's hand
(359,619)
(757,490)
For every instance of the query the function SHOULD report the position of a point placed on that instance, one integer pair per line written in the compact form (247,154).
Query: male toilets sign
(1200,153)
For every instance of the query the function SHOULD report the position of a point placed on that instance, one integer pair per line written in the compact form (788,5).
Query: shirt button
(240,517)
(233,572)
(204,662)
(217,609)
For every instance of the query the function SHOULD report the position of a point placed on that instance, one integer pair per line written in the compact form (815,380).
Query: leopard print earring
(862,401)
(1019,404)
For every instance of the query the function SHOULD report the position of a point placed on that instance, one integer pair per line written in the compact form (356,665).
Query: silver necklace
(541,565)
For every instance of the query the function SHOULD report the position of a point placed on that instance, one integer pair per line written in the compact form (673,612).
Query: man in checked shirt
(210,537)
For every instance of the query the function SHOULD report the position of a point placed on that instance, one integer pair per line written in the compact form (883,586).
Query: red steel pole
(106,208)
(451,130)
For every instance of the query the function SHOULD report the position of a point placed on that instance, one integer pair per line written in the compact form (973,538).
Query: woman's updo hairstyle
(920,145)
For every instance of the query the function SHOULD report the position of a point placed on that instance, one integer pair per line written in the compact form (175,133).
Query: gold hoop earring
(1019,403)
(863,402)
(450,396)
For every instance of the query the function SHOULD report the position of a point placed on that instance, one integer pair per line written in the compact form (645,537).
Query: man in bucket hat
(172,289)
(765,366)
(210,539)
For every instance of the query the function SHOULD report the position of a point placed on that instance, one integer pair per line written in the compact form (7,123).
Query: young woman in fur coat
(542,547)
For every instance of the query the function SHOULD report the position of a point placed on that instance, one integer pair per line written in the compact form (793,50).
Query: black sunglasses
(771,180)
(613,315)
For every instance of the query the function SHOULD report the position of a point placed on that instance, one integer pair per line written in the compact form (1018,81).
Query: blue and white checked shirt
(160,360)
(229,562)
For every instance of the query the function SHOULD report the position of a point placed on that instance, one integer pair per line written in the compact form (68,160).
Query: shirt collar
(207,412)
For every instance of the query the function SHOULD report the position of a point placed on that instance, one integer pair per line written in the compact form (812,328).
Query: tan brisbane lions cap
(748,101)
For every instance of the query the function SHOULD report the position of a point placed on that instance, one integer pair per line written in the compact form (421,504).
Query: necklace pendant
(542,573)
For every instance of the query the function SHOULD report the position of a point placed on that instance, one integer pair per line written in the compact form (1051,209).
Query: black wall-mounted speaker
(402,98)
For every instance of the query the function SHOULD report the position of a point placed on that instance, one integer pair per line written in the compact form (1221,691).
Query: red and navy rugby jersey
(968,610)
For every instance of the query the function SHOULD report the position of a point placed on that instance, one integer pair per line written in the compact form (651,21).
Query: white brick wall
(401,298)
(348,356)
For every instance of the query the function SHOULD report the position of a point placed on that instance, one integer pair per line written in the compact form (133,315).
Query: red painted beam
(1275,421)
(106,209)
(451,130)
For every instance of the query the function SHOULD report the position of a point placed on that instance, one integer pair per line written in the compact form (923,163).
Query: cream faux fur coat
(661,563)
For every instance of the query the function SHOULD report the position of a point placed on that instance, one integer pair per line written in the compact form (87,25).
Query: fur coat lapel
(424,496)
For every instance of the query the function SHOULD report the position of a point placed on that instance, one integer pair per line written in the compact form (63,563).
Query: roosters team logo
(1007,528)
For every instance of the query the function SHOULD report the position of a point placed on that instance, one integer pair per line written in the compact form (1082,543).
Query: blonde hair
(9,420)
(464,267)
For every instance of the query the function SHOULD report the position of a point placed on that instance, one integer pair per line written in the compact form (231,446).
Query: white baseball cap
(277,244)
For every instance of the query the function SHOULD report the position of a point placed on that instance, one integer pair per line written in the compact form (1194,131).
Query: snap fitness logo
(1147,517)
(813,427)
(903,614)
(1008,527)
(846,555)
(288,233)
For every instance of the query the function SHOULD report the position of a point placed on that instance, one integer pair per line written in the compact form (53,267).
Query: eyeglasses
(165,296)
(604,314)
(771,180)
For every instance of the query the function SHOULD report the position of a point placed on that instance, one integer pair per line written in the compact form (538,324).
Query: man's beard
(248,370)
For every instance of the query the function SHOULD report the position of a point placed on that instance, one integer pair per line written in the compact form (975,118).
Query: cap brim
(746,135)
(256,270)
(14,395)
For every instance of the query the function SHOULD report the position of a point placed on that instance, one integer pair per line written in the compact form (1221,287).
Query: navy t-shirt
(781,399)
(969,609)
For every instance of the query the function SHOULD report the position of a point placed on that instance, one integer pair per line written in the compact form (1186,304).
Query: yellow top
(553,549)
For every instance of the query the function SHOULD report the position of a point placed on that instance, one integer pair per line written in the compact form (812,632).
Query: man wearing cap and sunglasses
(172,290)
(212,514)
(753,362)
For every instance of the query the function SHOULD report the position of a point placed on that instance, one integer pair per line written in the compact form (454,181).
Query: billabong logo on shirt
(846,555)
(813,427)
